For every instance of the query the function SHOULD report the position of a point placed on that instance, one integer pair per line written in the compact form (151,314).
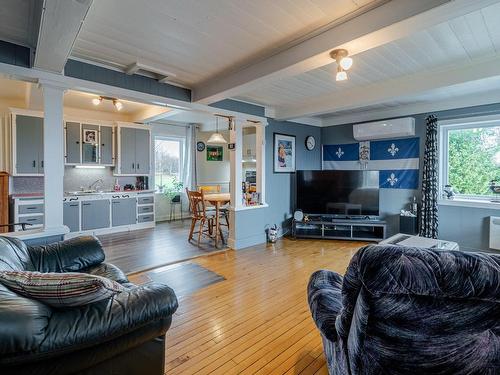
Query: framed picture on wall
(90,136)
(284,153)
(214,153)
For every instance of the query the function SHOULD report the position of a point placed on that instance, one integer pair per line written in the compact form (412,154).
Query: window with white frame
(470,156)
(169,162)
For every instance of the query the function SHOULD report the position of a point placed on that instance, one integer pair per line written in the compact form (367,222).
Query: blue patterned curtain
(429,211)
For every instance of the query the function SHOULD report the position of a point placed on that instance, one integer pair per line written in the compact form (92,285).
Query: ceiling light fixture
(344,63)
(217,138)
(97,101)
(117,104)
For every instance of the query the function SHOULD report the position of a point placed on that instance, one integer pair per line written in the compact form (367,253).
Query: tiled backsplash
(74,179)
(27,185)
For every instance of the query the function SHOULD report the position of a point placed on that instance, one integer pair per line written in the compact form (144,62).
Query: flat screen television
(341,194)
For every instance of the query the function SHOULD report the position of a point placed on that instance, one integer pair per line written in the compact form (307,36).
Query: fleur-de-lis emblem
(392,179)
(339,153)
(393,149)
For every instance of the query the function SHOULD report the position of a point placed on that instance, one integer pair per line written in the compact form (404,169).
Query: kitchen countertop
(77,194)
(40,195)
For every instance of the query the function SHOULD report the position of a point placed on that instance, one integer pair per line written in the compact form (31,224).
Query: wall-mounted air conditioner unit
(400,127)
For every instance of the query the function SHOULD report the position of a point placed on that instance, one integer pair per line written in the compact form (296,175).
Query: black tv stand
(361,229)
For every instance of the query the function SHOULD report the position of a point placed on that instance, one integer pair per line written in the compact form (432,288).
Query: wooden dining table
(217,200)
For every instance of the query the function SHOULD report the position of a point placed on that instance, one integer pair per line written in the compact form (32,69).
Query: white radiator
(495,232)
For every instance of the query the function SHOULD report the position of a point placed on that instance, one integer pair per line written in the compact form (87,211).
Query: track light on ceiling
(116,103)
(97,101)
(344,63)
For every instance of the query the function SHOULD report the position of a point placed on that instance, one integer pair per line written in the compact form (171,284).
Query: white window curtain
(188,174)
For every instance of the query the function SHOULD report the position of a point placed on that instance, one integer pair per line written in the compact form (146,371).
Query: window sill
(245,208)
(474,203)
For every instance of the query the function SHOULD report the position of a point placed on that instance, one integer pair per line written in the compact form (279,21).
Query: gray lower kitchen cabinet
(127,150)
(29,144)
(95,214)
(71,216)
(142,151)
(106,145)
(73,150)
(124,211)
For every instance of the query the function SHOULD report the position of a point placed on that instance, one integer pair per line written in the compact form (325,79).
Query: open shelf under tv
(341,229)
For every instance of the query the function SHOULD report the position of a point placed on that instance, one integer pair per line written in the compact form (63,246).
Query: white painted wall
(212,172)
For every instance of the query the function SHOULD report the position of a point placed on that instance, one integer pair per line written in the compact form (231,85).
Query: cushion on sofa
(60,289)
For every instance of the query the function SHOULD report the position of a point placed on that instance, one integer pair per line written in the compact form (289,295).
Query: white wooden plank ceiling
(199,39)
(17,21)
(468,38)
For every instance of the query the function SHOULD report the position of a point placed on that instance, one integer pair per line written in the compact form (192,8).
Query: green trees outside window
(473,159)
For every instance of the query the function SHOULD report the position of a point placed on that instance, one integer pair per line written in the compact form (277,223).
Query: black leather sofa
(122,335)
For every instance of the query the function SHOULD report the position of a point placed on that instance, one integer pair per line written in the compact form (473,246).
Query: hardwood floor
(144,249)
(257,321)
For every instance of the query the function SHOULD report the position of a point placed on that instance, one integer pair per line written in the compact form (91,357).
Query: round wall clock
(200,146)
(310,142)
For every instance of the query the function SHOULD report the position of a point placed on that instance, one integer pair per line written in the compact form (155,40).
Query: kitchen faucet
(95,183)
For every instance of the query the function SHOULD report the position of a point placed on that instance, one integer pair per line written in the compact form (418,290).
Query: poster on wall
(284,153)
(214,153)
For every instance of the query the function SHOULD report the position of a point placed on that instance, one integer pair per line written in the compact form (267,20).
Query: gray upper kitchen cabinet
(28,144)
(135,149)
(71,216)
(123,211)
(106,145)
(73,150)
(127,150)
(95,214)
(142,151)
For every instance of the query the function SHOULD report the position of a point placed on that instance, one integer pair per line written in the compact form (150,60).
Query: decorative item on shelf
(116,186)
(284,153)
(218,138)
(90,136)
(310,143)
(272,233)
(448,192)
(200,146)
(495,188)
(214,153)
(364,154)
(298,215)
(128,187)
(414,206)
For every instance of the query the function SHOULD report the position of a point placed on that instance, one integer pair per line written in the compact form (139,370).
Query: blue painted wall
(466,225)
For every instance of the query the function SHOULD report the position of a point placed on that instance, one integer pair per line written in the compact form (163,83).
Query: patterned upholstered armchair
(410,311)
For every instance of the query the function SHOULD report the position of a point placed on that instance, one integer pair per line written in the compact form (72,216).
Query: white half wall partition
(244,201)
(53,156)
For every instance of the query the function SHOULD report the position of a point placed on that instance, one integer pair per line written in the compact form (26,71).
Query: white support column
(235,159)
(235,177)
(260,151)
(53,155)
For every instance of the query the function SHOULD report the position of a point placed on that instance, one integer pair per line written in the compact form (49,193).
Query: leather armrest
(76,328)
(324,294)
(67,256)
(22,323)
(107,270)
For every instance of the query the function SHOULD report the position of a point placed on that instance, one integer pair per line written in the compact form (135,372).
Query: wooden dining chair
(199,214)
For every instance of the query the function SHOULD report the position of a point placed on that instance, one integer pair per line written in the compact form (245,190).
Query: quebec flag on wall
(397,160)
